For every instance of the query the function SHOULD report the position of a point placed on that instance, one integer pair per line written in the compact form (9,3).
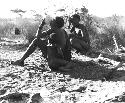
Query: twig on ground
(109,76)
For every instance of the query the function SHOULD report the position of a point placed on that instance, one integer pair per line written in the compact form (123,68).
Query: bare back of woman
(56,49)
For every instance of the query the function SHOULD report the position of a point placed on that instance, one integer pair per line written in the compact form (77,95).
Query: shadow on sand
(90,70)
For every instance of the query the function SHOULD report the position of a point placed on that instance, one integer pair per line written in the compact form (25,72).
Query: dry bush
(5,27)
(112,28)
(102,31)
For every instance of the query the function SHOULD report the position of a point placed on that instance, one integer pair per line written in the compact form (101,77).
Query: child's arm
(84,30)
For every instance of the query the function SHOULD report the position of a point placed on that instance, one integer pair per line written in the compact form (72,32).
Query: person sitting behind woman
(79,40)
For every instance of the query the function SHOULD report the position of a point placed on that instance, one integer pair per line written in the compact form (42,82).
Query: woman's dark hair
(59,22)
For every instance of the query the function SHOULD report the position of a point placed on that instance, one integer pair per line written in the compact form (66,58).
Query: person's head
(75,19)
(57,22)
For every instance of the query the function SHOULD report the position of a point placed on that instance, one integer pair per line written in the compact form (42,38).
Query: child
(80,40)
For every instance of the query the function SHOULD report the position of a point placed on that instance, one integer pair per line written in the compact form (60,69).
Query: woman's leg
(84,45)
(76,44)
(32,47)
(80,45)
(54,59)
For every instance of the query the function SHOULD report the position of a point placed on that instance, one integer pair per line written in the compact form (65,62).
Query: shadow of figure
(90,70)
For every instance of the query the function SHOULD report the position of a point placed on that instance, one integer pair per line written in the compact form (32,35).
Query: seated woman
(54,52)
(58,59)
(80,40)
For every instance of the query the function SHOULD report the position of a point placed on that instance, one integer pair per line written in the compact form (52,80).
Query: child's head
(58,22)
(75,19)
(76,16)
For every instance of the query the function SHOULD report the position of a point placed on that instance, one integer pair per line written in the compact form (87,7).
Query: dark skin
(37,42)
(55,55)
(50,53)
(79,42)
(56,61)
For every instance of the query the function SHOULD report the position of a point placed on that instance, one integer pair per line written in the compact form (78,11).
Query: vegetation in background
(101,30)
(86,80)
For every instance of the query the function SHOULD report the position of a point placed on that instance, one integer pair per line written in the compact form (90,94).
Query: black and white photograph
(62,51)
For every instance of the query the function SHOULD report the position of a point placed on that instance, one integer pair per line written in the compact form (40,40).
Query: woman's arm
(39,34)
(85,33)
(84,29)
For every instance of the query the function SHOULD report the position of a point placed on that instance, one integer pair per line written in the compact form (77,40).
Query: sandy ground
(81,85)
